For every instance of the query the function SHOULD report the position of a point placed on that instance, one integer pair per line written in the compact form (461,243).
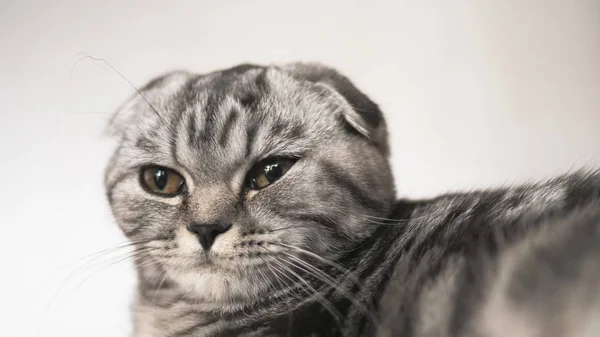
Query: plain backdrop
(477,94)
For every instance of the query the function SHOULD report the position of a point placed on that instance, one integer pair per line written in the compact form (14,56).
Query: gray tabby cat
(261,202)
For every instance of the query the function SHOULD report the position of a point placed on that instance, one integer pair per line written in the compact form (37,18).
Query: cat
(261,202)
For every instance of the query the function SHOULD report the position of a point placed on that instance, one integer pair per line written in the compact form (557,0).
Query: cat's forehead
(176,92)
(254,92)
(228,115)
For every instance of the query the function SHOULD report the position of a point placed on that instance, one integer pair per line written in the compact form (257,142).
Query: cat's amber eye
(163,181)
(266,172)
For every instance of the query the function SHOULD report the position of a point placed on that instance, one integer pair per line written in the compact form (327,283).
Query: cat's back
(521,261)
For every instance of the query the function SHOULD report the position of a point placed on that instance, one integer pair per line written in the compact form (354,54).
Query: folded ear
(362,114)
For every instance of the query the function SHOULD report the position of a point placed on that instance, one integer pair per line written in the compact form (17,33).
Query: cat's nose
(207,233)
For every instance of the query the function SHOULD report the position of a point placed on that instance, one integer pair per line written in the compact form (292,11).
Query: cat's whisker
(383,220)
(150,260)
(95,255)
(335,265)
(277,277)
(80,57)
(389,221)
(77,112)
(270,284)
(385,223)
(336,315)
(156,291)
(92,258)
(287,287)
(318,296)
(329,280)
(84,55)
(296,226)
(137,253)
(111,261)
(271,287)
(323,276)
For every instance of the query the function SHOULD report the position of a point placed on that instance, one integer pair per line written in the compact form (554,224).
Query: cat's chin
(220,288)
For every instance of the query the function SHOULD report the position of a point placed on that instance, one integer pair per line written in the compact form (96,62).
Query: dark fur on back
(327,250)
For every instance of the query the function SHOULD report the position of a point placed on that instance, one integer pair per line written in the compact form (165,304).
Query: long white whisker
(335,265)
(336,315)
(111,262)
(321,275)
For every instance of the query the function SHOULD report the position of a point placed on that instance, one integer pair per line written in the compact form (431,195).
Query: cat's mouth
(218,261)
(220,279)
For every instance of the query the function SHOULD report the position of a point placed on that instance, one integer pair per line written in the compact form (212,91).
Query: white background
(477,93)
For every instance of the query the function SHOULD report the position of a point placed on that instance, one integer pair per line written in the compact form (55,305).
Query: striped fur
(327,250)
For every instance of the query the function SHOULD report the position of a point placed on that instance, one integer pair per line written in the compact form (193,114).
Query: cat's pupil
(273,172)
(160,179)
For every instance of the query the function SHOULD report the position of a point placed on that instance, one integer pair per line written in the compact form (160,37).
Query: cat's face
(232,174)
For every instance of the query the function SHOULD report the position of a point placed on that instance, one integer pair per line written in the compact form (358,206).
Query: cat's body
(327,251)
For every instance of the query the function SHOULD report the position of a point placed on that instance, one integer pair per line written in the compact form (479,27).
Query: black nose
(208,232)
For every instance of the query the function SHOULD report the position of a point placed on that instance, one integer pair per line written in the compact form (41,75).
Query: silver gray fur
(327,250)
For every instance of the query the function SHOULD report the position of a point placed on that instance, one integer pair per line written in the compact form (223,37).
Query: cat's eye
(163,181)
(266,172)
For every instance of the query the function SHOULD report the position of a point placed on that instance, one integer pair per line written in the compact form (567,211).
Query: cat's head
(222,178)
